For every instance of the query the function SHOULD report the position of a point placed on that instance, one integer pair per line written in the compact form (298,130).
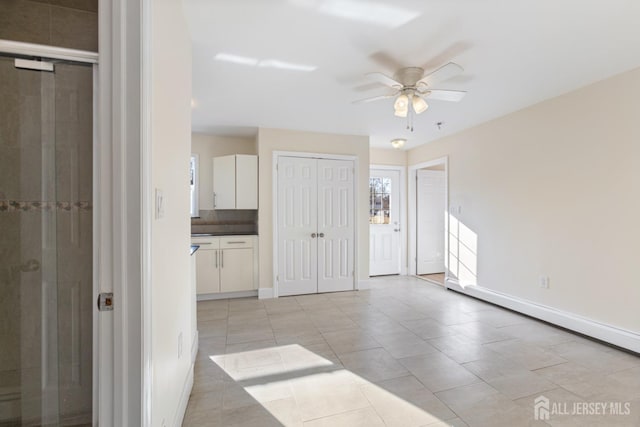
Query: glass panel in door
(46,308)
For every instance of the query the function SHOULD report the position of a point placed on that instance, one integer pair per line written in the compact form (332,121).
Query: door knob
(321,235)
(313,235)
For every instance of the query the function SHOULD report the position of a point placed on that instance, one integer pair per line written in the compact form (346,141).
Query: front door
(384,222)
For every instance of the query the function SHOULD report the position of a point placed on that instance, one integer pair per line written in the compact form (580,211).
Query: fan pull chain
(410,119)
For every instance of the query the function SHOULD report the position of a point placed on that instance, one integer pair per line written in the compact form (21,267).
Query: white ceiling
(515,53)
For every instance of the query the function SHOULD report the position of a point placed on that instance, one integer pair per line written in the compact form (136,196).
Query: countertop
(194,248)
(225,233)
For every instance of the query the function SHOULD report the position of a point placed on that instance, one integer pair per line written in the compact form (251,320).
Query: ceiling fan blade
(441,74)
(384,79)
(445,95)
(373,98)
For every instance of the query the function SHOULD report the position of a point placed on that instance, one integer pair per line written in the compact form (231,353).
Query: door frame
(274,202)
(413,205)
(403,212)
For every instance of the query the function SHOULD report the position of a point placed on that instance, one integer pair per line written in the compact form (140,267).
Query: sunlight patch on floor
(319,391)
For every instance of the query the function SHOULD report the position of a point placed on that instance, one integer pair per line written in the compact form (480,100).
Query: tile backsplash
(227,221)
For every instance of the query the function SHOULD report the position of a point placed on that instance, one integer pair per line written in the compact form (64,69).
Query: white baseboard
(363,285)
(607,333)
(194,347)
(184,398)
(265,293)
(226,295)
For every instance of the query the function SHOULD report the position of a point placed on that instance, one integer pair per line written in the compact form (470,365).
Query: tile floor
(437,278)
(404,353)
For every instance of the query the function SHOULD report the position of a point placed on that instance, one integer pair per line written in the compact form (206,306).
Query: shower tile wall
(65,23)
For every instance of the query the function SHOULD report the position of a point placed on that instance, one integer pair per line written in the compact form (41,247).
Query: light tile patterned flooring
(404,353)
(437,278)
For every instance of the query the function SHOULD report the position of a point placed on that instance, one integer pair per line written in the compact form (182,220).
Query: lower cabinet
(225,264)
(207,270)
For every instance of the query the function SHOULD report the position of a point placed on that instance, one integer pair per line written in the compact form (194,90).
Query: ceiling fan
(411,87)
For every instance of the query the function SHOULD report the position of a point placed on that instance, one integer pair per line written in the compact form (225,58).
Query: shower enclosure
(46,256)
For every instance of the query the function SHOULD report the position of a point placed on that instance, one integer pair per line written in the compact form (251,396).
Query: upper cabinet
(235,182)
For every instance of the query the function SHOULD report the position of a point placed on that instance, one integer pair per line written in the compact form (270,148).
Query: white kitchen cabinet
(236,273)
(224,182)
(235,182)
(207,268)
(225,264)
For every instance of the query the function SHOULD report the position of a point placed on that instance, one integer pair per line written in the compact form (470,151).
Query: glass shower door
(46,308)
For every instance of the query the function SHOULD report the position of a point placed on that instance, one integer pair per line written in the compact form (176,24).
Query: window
(379,194)
(193,184)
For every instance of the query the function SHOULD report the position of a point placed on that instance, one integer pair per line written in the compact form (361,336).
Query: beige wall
(386,157)
(554,190)
(270,140)
(210,146)
(170,262)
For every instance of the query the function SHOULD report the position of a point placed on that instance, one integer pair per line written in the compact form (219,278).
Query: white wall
(210,146)
(270,140)
(387,157)
(554,190)
(170,236)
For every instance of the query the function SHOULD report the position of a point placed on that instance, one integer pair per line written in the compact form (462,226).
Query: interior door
(297,226)
(431,206)
(384,222)
(335,225)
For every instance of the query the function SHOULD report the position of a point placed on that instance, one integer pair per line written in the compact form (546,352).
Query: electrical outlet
(179,345)
(544,282)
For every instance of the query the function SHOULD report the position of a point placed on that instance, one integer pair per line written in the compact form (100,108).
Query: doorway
(428,220)
(315,225)
(386,220)
(46,214)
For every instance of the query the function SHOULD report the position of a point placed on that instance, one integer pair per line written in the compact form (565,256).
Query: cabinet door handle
(216,258)
(235,243)
(202,243)
(214,199)
(321,235)
(313,235)
(222,259)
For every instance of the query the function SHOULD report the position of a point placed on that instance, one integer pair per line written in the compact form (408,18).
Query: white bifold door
(431,212)
(316,233)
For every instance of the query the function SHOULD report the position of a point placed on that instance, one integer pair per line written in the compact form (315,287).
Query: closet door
(336,231)
(297,226)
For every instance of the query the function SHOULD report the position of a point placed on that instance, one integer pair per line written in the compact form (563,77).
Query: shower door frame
(103,333)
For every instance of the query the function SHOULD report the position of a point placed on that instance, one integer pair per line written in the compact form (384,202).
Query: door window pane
(379,200)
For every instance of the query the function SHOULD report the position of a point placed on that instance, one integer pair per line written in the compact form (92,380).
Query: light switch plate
(159,204)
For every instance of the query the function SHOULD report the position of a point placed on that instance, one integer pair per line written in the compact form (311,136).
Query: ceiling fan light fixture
(419,104)
(401,112)
(401,103)
(398,143)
